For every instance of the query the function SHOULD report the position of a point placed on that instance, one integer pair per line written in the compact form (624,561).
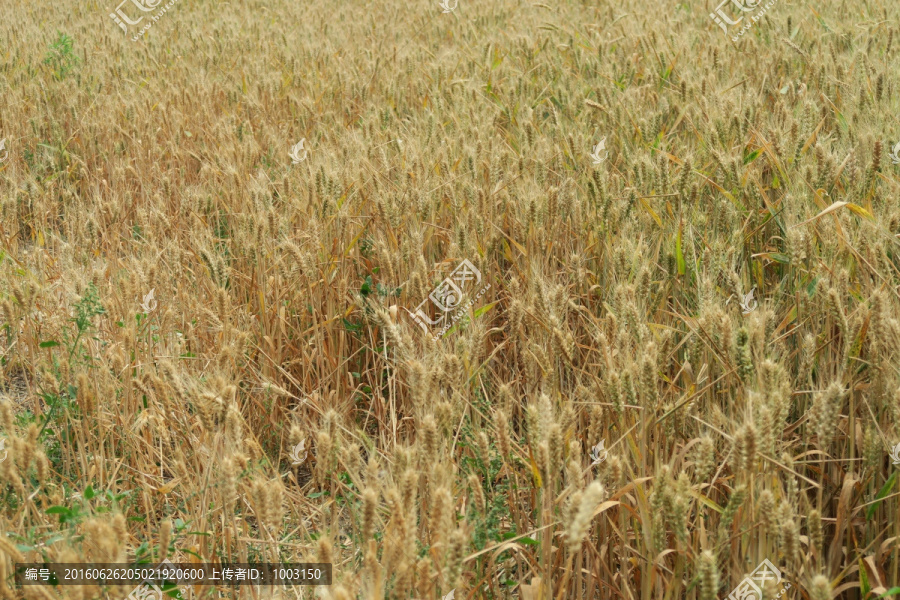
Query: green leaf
(749,158)
(890,592)
(884,491)
(480,311)
(88,492)
(811,288)
(48,344)
(366,288)
(351,326)
(842,121)
(777,257)
(708,502)
(528,541)
(679,255)
(860,211)
(863,579)
(58,510)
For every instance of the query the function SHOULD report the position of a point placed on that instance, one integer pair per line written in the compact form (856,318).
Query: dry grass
(613,312)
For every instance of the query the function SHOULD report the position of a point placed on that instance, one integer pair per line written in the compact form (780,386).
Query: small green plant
(91,502)
(60,57)
(86,309)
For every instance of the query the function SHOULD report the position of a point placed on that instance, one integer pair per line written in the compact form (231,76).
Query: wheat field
(661,253)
